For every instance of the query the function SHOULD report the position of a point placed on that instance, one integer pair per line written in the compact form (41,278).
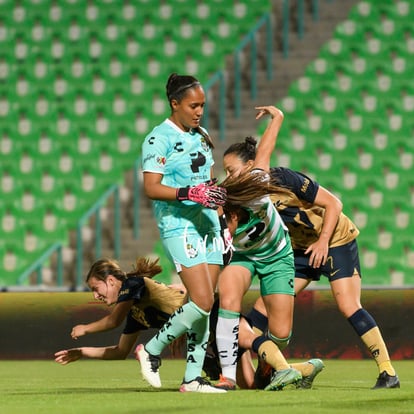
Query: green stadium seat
(13,262)
(364,11)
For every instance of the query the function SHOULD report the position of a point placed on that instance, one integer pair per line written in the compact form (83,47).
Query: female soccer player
(177,168)
(324,243)
(262,247)
(143,302)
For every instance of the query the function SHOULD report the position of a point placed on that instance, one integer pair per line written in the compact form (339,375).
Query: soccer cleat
(211,367)
(306,382)
(200,385)
(149,366)
(225,384)
(385,380)
(283,378)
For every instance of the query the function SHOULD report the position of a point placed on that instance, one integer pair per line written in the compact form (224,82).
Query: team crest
(204,144)
(191,251)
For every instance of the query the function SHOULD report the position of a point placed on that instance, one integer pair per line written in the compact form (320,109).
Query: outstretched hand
(67,355)
(274,112)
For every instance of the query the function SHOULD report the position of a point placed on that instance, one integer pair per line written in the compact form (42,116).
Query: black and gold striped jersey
(303,218)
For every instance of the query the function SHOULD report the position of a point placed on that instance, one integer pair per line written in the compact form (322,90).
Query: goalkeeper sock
(197,339)
(227,339)
(180,321)
(269,352)
(366,327)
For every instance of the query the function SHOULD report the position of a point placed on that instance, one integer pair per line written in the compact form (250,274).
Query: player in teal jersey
(177,167)
(262,247)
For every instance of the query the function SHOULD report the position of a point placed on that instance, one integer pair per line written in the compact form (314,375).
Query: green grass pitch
(116,387)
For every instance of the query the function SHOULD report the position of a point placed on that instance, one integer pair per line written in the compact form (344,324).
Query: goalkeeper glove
(209,196)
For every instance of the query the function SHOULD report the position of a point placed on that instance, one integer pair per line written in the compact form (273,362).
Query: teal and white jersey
(264,234)
(184,159)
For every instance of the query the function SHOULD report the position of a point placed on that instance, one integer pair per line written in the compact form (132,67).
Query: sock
(197,340)
(180,321)
(269,352)
(282,343)
(366,327)
(305,368)
(227,338)
(258,321)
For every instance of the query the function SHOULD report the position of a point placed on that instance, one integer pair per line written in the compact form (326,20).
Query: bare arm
(157,191)
(120,351)
(111,321)
(333,208)
(269,138)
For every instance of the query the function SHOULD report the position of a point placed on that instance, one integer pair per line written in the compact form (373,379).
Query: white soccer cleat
(149,366)
(200,385)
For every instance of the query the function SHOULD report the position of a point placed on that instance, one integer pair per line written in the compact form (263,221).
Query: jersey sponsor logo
(197,161)
(148,158)
(178,147)
(161,160)
(305,185)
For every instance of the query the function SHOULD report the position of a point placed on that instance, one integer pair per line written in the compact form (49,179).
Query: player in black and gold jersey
(144,303)
(324,243)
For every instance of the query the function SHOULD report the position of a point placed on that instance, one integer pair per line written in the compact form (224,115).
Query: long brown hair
(247,187)
(144,267)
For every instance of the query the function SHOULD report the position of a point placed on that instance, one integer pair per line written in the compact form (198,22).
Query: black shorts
(343,261)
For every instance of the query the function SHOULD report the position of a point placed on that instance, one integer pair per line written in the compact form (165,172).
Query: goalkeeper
(177,168)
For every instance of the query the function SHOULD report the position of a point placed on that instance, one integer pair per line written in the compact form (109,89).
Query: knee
(205,303)
(282,342)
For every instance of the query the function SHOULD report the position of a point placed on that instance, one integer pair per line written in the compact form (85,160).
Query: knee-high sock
(180,321)
(269,352)
(227,338)
(197,339)
(366,327)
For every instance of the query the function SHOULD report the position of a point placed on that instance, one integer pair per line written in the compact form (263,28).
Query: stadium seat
(13,262)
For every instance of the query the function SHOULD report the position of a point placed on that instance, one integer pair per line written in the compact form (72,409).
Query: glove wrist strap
(182,193)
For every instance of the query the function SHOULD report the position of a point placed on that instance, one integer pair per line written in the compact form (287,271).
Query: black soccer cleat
(386,381)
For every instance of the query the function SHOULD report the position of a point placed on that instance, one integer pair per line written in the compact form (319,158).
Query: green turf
(116,387)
